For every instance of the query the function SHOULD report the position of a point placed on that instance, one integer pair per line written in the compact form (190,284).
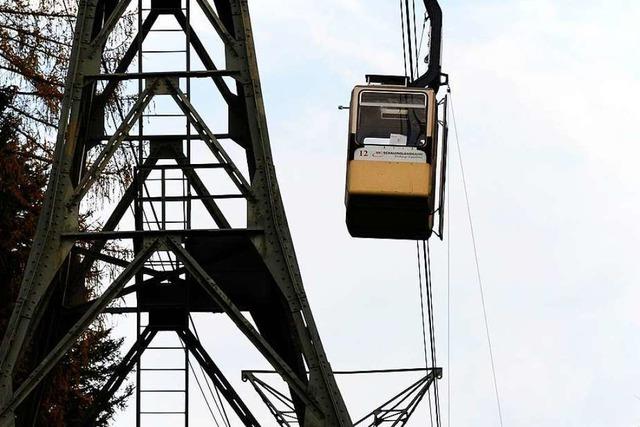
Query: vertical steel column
(267,211)
(57,215)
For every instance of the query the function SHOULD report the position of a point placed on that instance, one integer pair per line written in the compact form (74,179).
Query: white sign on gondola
(390,153)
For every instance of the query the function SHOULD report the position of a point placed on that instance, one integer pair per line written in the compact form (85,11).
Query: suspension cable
(448,195)
(407,14)
(475,254)
(404,49)
(432,334)
(220,407)
(204,395)
(424,328)
(415,37)
(206,401)
(424,26)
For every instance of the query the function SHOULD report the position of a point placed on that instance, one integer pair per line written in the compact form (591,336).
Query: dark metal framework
(395,412)
(176,269)
(432,77)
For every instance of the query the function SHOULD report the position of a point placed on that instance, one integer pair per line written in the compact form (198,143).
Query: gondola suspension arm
(432,77)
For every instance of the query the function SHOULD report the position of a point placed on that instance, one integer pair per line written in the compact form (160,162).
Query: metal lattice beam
(288,339)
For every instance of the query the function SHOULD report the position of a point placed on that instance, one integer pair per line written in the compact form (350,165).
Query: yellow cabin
(391,177)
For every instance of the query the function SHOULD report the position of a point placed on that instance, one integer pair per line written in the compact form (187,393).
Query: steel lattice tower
(176,268)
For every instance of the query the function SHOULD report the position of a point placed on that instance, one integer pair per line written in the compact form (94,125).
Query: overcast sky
(544,94)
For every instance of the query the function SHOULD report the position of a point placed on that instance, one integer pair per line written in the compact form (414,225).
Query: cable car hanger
(433,76)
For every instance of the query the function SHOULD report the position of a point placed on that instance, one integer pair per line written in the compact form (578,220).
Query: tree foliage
(21,184)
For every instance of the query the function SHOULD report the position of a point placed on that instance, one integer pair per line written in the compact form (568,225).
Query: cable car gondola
(392,146)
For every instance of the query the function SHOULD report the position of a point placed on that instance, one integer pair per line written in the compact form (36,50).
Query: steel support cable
(204,396)
(220,407)
(427,273)
(432,333)
(475,254)
(407,15)
(404,50)
(410,40)
(415,36)
(223,414)
(424,328)
(448,300)
(424,26)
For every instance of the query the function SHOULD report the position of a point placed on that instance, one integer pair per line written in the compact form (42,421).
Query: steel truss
(174,271)
(395,412)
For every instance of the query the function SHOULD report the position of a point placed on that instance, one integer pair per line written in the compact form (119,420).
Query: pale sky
(543,94)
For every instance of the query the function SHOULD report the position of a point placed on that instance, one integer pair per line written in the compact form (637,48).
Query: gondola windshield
(392,118)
